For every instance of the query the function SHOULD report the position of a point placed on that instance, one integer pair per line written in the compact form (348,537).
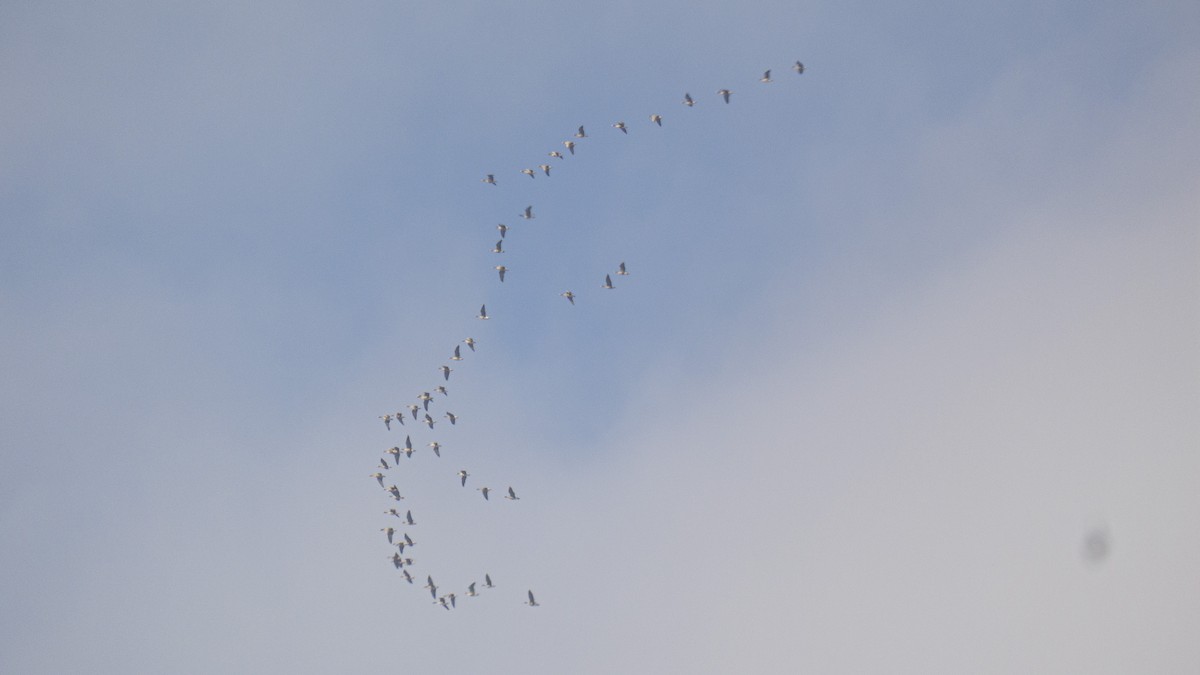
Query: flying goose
(483,313)
(463,476)
(452,417)
(487,581)
(580,133)
(512,495)
(799,68)
(490,179)
(527,172)
(389,531)
(545,167)
(528,214)
(570,145)
(485,490)
(569,296)
(607,282)
(440,389)
(457,354)
(470,342)
(657,119)
(621,270)
(503,229)
(532,602)
(499,247)
(501,269)
(446,370)
(555,153)
(766,77)
(621,126)
(437,448)
(387,421)
(724,94)
(379,477)
(687,100)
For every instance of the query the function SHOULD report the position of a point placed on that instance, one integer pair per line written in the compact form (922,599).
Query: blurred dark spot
(1096,546)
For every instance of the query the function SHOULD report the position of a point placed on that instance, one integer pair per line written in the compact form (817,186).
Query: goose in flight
(471,590)
(440,389)
(724,94)
(452,417)
(528,214)
(392,512)
(607,282)
(621,126)
(397,561)
(570,145)
(483,313)
(799,68)
(512,495)
(490,179)
(399,417)
(379,477)
(545,167)
(569,296)
(408,448)
(580,133)
(446,370)
(503,229)
(415,409)
(531,602)
(766,77)
(687,100)
(657,119)
(457,354)
(499,247)
(470,342)
(428,421)
(463,477)
(407,576)
(487,581)
(387,421)
(408,540)
(394,451)
(431,586)
(425,398)
(389,531)
(556,154)
(408,519)
(383,465)
(485,491)
(621,270)
(437,448)
(527,172)
(501,269)
(395,492)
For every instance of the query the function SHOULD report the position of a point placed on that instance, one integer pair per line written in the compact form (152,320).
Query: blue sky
(899,333)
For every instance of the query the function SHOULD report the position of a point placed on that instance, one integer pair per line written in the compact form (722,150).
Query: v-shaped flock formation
(420,413)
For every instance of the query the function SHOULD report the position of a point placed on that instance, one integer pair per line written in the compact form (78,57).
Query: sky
(900,335)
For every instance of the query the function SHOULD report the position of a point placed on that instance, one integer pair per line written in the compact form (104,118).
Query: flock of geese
(420,413)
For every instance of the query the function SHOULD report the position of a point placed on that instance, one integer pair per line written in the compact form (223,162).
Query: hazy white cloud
(894,341)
